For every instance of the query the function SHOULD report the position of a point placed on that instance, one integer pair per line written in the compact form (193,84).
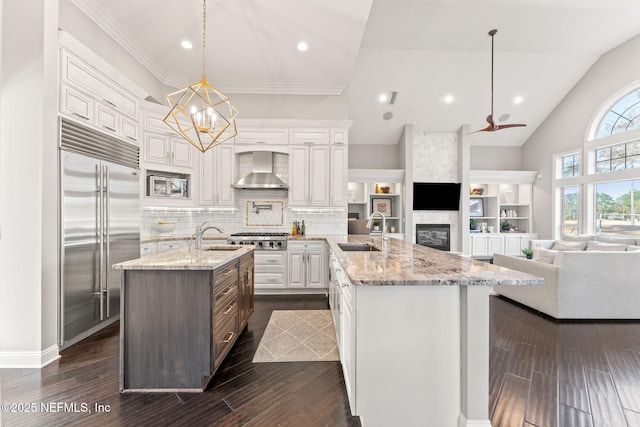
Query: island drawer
(225,276)
(225,297)
(225,335)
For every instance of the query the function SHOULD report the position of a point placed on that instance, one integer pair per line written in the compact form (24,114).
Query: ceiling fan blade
(489,128)
(513,125)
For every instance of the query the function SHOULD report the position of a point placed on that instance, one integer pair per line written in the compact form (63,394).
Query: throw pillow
(563,245)
(619,240)
(577,237)
(633,248)
(603,246)
(544,255)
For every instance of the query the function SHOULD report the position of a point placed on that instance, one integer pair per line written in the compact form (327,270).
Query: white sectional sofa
(598,279)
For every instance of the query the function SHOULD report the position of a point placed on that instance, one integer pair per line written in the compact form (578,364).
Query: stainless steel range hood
(262,175)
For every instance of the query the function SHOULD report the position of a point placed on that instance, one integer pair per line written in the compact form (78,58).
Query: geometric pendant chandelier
(202,114)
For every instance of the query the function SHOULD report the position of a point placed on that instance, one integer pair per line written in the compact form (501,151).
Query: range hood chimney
(262,175)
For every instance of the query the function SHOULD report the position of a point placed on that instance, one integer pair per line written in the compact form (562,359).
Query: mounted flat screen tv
(436,196)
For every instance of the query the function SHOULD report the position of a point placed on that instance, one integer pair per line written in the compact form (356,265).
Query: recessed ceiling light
(303,46)
(518,99)
(448,99)
(388,115)
(382,98)
(186,44)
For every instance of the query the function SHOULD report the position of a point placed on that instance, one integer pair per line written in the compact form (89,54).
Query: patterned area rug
(298,336)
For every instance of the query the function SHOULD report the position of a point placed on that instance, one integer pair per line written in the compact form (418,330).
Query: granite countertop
(406,264)
(184,259)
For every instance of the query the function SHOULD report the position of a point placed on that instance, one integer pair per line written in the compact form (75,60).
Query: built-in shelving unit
(500,202)
(370,191)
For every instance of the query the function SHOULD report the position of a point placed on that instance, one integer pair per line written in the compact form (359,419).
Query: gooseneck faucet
(200,231)
(384,223)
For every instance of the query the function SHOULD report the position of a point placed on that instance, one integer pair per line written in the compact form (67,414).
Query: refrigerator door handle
(107,260)
(100,215)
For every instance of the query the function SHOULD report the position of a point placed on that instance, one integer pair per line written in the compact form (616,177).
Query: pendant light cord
(204,39)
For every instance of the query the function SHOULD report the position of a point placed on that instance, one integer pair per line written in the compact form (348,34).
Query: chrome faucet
(200,231)
(384,223)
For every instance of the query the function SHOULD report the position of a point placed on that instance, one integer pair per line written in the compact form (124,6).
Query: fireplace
(437,236)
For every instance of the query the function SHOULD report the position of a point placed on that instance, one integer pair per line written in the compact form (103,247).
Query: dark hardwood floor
(241,393)
(566,374)
(542,373)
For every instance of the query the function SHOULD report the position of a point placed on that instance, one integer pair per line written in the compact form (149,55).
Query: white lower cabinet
(148,248)
(487,244)
(307,264)
(169,245)
(348,340)
(515,243)
(270,269)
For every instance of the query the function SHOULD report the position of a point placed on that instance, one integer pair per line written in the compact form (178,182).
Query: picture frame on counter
(476,207)
(382,205)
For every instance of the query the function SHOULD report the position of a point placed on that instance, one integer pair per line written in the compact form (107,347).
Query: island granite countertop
(209,257)
(406,264)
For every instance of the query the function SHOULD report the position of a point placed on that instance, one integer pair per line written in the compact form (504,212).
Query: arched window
(623,116)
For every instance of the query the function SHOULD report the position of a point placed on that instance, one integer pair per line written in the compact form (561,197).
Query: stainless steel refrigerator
(99,226)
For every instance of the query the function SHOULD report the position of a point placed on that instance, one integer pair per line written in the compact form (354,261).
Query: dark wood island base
(177,326)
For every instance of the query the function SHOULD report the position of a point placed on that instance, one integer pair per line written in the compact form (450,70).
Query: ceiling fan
(492,127)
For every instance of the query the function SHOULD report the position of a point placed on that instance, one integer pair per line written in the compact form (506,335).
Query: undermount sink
(221,248)
(357,247)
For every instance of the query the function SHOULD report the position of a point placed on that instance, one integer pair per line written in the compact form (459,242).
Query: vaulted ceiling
(425,50)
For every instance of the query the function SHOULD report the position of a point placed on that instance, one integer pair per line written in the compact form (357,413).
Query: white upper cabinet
(309,175)
(309,136)
(263,135)
(92,98)
(167,150)
(339,175)
(318,162)
(216,173)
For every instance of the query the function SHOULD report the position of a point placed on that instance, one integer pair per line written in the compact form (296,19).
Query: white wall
(28,177)
(363,156)
(331,107)
(566,126)
(81,27)
(496,158)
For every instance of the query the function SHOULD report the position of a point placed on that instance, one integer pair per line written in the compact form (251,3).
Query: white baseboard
(28,359)
(464,422)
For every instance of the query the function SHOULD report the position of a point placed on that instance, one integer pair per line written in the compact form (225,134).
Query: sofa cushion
(633,248)
(578,237)
(615,239)
(564,245)
(604,246)
(544,255)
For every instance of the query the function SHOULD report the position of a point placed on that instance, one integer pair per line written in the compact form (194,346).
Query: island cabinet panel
(166,312)
(246,289)
(177,326)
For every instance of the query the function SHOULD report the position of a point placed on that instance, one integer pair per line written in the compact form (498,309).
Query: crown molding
(95,10)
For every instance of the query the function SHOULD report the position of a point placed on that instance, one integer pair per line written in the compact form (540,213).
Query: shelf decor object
(476,207)
(382,205)
(202,114)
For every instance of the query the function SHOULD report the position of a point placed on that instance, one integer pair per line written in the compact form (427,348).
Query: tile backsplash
(318,221)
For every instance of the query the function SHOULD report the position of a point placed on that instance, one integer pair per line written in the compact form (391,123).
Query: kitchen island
(181,312)
(413,330)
